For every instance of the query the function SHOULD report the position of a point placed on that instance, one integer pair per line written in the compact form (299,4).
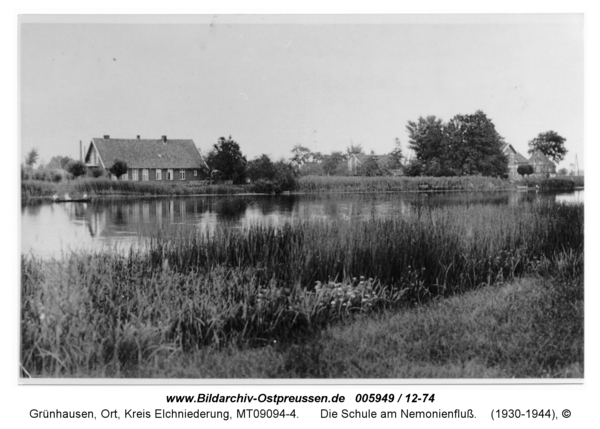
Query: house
(148,159)
(357,159)
(515,159)
(542,165)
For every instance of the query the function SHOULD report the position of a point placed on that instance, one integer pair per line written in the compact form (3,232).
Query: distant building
(148,159)
(356,160)
(515,159)
(542,164)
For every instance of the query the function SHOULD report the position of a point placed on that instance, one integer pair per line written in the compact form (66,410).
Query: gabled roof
(519,159)
(539,158)
(149,153)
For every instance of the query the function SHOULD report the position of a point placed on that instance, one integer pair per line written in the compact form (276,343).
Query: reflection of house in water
(158,209)
(145,218)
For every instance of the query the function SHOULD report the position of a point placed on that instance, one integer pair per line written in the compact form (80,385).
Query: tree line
(464,145)
(469,145)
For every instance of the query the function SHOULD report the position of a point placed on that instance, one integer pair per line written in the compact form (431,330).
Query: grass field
(295,294)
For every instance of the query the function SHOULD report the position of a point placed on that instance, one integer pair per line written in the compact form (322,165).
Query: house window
(158,174)
(145,174)
(195,173)
(181,174)
(169,174)
(125,177)
(134,174)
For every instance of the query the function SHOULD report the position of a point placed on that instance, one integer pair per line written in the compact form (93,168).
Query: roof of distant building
(149,153)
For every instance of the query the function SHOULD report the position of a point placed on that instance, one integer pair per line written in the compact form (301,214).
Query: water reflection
(50,229)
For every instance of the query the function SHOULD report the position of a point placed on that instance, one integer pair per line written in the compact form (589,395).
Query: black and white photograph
(301,197)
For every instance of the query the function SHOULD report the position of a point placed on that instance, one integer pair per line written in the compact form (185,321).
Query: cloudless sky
(274,82)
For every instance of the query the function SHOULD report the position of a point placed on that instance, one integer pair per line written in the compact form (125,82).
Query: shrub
(97,173)
(526,169)
(76,168)
(118,168)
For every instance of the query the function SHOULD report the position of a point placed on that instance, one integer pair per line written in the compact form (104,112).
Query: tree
(369,167)
(317,157)
(396,156)
(261,168)
(413,168)
(76,168)
(526,169)
(563,172)
(118,168)
(59,162)
(426,139)
(474,146)
(466,145)
(285,176)
(550,144)
(226,158)
(331,163)
(31,157)
(354,149)
(301,156)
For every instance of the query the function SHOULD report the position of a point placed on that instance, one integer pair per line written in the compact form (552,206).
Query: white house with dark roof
(148,159)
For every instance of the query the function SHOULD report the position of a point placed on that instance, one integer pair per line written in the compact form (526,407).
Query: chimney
(164,139)
(138,136)
(80,150)
(106,136)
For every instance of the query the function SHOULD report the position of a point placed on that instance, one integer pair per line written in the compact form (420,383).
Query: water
(51,230)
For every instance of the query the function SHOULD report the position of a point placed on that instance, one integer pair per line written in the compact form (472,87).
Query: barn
(515,159)
(542,165)
(148,159)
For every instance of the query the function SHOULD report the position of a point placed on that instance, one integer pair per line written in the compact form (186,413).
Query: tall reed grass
(37,188)
(112,187)
(252,287)
(560,183)
(398,184)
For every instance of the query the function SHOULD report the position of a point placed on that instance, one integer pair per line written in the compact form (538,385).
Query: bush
(97,173)
(118,168)
(76,168)
(525,169)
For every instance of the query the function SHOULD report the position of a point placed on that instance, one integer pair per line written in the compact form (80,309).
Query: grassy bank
(37,188)
(562,183)
(528,328)
(305,184)
(244,293)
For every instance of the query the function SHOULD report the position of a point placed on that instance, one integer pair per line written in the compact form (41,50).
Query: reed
(398,184)
(560,183)
(118,187)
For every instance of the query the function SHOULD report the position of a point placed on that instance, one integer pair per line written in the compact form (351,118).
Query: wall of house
(544,168)
(92,159)
(189,175)
(353,164)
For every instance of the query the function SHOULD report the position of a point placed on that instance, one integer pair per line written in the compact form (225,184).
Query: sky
(275,82)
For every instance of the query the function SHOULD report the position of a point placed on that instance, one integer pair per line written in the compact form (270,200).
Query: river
(53,229)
